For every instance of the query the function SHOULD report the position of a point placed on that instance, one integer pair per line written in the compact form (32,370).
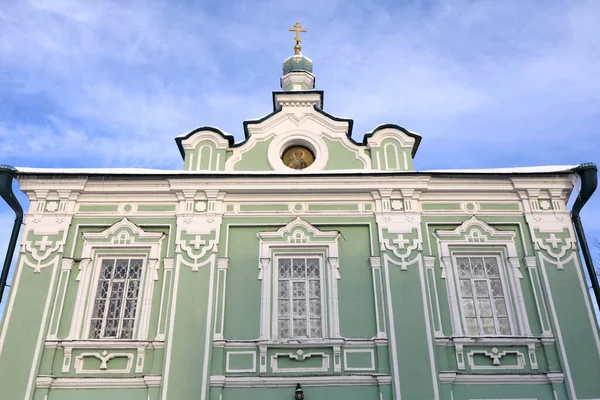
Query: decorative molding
(42,253)
(67,356)
(399,228)
(123,235)
(298,138)
(107,345)
(555,247)
(51,382)
(104,358)
(371,352)
(337,359)
(474,233)
(494,341)
(228,368)
(223,263)
(66,264)
(496,357)
(499,379)
(309,127)
(127,235)
(300,343)
(460,357)
(298,235)
(375,262)
(168,263)
(532,356)
(196,249)
(299,356)
(281,381)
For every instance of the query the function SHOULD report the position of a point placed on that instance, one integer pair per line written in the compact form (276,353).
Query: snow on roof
(183,135)
(147,171)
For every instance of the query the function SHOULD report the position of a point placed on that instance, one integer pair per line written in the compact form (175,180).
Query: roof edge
(179,139)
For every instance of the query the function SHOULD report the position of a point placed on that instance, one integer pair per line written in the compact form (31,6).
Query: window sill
(494,340)
(300,343)
(104,344)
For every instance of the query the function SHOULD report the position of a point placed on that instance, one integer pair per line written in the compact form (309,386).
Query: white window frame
(474,234)
(275,327)
(503,279)
(126,240)
(302,239)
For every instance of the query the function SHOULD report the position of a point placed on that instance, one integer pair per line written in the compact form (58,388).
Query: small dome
(297,62)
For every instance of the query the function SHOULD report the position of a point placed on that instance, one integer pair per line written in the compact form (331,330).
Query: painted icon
(298,157)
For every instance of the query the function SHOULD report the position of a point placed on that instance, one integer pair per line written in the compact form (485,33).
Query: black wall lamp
(299,394)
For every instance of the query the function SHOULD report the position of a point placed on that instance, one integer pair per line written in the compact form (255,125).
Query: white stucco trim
(298,138)
(371,353)
(104,359)
(148,381)
(292,237)
(228,368)
(96,245)
(276,381)
(449,242)
(150,171)
(499,379)
(169,348)
(392,328)
(275,368)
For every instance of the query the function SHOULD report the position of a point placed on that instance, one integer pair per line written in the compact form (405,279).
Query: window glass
(299,298)
(115,303)
(482,299)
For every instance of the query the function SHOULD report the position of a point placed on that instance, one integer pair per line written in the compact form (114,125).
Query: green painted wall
(18,356)
(187,365)
(468,392)
(97,394)
(575,327)
(255,159)
(186,361)
(350,393)
(416,381)
(242,304)
(340,157)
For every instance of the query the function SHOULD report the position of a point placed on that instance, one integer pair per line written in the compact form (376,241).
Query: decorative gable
(123,232)
(298,136)
(299,232)
(474,230)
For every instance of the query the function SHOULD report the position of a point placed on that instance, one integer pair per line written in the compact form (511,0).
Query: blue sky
(486,83)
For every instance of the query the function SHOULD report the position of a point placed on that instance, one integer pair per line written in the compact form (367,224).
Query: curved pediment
(298,136)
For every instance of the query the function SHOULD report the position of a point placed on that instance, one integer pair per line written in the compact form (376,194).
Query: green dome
(297,62)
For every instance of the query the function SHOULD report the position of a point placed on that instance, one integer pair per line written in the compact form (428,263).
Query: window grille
(482,296)
(115,303)
(299,298)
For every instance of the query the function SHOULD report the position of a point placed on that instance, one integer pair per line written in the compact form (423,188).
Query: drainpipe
(7,174)
(588,173)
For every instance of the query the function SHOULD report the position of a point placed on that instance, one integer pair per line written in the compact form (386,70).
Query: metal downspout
(588,173)
(7,174)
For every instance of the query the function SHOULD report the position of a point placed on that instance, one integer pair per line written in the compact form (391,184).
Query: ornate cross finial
(297,28)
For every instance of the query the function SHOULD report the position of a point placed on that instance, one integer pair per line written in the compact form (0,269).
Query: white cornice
(302,99)
(52,382)
(337,380)
(103,344)
(433,188)
(300,343)
(507,379)
(493,341)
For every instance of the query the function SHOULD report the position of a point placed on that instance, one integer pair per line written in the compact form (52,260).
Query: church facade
(299,263)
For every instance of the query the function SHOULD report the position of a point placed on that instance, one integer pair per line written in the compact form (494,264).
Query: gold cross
(297,28)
